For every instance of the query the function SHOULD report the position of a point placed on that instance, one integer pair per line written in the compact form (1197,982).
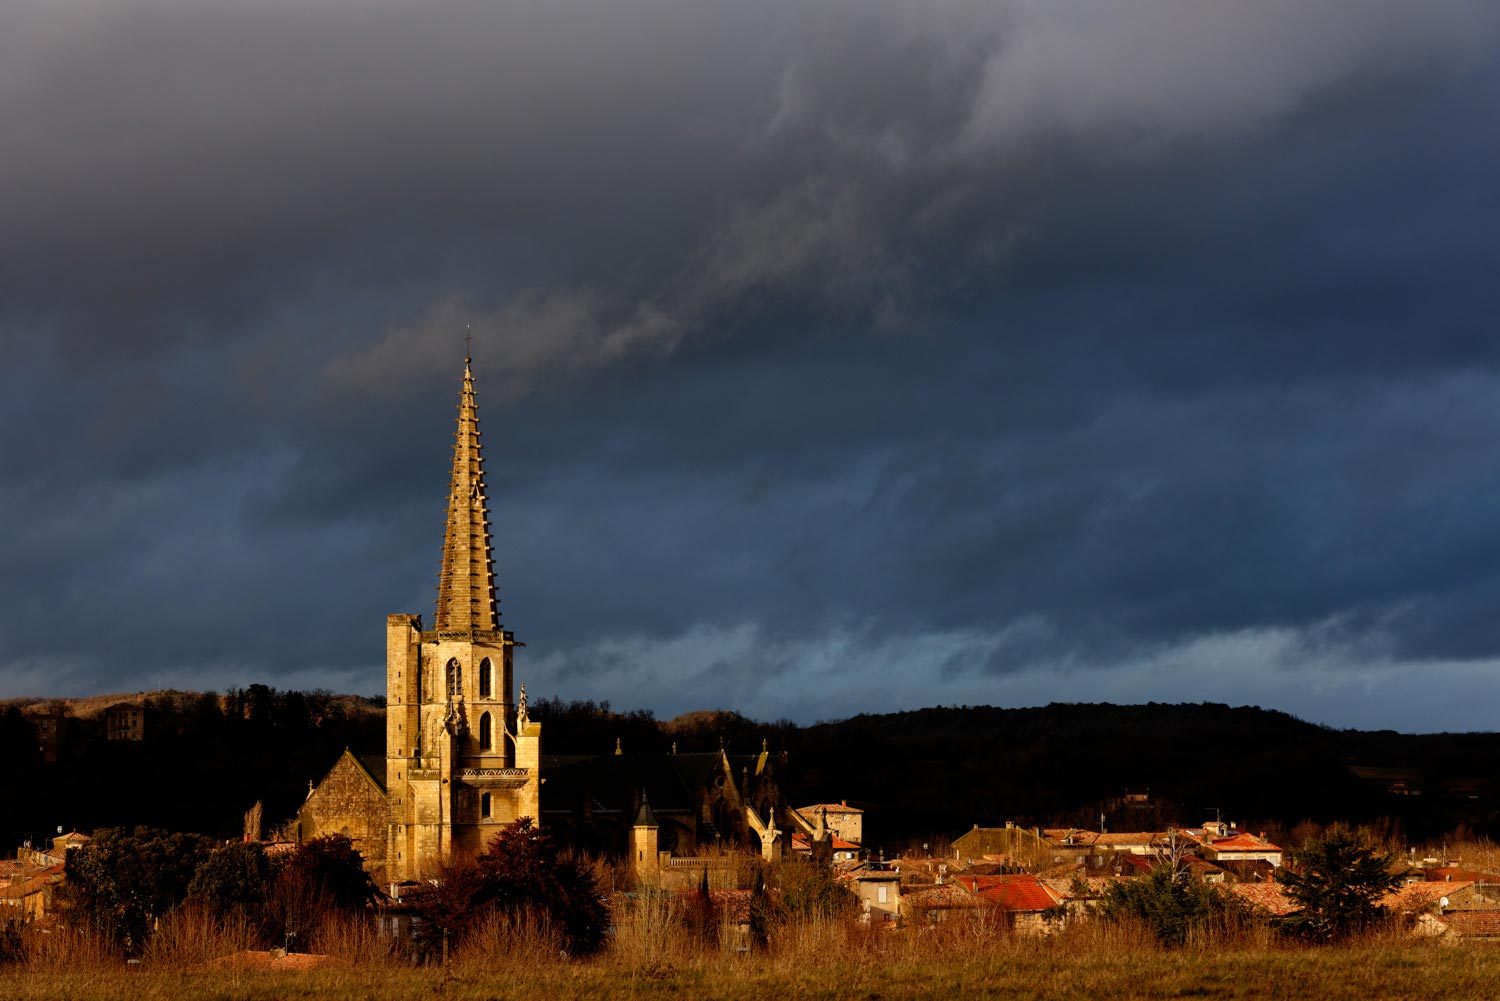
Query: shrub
(519,873)
(1337,880)
(121,881)
(1173,905)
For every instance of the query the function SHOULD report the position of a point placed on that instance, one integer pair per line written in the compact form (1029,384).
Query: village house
(1011,845)
(124,721)
(1028,904)
(29,881)
(1221,842)
(940,903)
(845,821)
(842,851)
(877,887)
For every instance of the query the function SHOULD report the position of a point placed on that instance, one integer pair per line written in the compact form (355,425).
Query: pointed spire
(466,584)
(644,817)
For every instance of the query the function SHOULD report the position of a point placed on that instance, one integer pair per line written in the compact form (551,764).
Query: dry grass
(658,951)
(1055,969)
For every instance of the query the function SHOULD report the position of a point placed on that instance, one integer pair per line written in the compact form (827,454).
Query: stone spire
(466,584)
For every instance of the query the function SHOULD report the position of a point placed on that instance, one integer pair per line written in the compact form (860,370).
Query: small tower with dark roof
(644,840)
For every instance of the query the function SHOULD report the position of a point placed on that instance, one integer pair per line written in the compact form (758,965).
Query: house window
(484,804)
(880,892)
(485,739)
(484,678)
(455,680)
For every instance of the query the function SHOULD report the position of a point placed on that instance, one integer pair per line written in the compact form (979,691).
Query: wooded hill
(925,775)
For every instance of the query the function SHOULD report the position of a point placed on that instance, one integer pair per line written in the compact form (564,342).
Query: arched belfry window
(485,671)
(455,679)
(486,738)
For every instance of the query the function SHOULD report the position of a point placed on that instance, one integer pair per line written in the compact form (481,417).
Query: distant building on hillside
(125,721)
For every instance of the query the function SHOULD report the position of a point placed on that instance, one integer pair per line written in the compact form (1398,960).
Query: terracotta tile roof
(1249,870)
(1242,842)
(1422,894)
(948,896)
(1065,889)
(801,843)
(1079,836)
(1014,893)
(808,811)
(1131,838)
(1268,897)
(1475,924)
(1455,872)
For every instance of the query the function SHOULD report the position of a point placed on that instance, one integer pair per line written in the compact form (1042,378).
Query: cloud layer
(832,357)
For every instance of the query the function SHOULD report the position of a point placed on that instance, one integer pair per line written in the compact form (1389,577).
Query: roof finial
(468,337)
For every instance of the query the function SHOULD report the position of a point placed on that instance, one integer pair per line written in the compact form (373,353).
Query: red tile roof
(1422,894)
(801,843)
(1069,889)
(947,896)
(1458,873)
(1014,893)
(1475,924)
(1127,839)
(1268,897)
(1241,842)
(808,811)
(1078,836)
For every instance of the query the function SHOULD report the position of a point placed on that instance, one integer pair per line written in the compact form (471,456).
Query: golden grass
(1055,969)
(658,950)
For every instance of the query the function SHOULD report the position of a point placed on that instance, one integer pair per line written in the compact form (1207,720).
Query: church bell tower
(462,759)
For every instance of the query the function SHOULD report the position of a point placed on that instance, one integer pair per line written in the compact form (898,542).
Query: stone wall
(349,801)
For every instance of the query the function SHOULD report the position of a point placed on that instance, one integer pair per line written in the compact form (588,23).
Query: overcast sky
(832,357)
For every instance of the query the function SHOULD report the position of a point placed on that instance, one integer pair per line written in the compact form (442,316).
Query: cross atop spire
(466,583)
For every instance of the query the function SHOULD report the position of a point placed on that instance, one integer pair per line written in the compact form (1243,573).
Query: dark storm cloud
(961,350)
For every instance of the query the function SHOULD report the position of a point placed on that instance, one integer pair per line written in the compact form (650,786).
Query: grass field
(650,961)
(1331,973)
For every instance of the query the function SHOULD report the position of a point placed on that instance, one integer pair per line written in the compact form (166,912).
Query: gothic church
(463,759)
